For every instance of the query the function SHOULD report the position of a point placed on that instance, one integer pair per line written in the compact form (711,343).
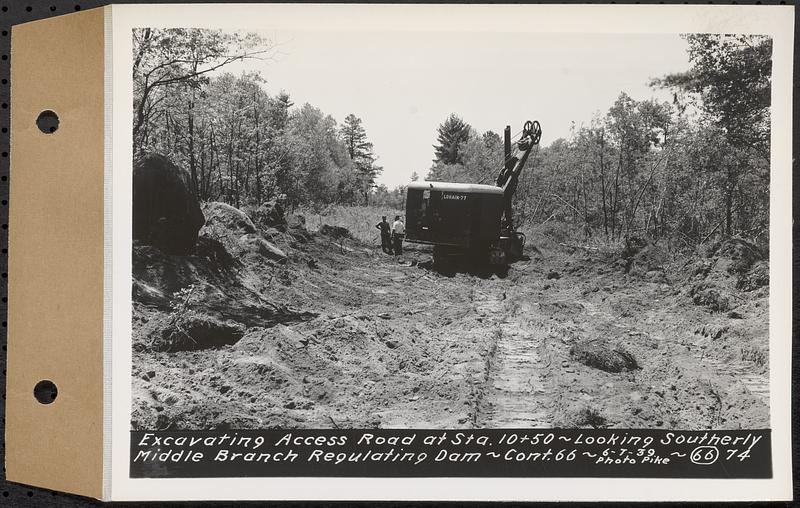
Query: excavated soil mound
(192,332)
(217,285)
(756,277)
(258,245)
(581,416)
(270,215)
(215,252)
(643,258)
(711,296)
(736,256)
(335,232)
(600,355)
(726,267)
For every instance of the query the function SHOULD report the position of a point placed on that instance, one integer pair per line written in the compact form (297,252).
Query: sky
(403,84)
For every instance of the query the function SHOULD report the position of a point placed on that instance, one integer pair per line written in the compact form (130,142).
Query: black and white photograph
(450,230)
(401,252)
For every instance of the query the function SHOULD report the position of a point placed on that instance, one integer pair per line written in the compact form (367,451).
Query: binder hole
(45,392)
(47,122)
(52,8)
(5,9)
(29,8)
(77,7)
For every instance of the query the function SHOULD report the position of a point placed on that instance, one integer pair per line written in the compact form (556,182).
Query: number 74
(741,456)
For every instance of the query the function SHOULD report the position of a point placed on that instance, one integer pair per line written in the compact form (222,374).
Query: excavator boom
(514,163)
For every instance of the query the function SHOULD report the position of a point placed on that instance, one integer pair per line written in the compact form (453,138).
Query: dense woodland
(688,169)
(241,145)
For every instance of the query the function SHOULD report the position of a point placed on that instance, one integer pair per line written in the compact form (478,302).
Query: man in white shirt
(398,233)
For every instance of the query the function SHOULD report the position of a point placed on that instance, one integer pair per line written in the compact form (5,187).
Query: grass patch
(359,220)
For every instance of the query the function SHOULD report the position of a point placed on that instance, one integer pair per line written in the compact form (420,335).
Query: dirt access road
(571,337)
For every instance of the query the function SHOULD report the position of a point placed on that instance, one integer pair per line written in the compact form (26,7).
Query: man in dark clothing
(386,237)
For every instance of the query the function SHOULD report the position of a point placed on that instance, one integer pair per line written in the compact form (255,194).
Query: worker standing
(398,233)
(386,236)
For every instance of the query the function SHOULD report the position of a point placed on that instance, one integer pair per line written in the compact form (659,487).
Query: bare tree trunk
(190,129)
(615,195)
(730,188)
(603,181)
(258,148)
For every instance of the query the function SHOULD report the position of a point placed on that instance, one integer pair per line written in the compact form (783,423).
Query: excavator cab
(453,214)
(466,218)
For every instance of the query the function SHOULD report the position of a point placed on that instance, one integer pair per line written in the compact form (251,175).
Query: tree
(318,156)
(730,81)
(450,136)
(483,157)
(360,150)
(480,156)
(240,144)
(636,127)
(177,56)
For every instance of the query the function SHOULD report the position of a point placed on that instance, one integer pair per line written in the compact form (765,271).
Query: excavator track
(513,394)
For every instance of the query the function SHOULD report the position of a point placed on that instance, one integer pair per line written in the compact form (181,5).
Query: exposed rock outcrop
(166,213)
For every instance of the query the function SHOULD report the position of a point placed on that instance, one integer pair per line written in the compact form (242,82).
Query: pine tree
(451,135)
(360,150)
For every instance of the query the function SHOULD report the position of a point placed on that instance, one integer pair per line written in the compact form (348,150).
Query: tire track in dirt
(756,384)
(513,394)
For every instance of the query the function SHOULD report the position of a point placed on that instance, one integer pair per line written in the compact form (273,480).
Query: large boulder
(236,232)
(226,224)
(166,213)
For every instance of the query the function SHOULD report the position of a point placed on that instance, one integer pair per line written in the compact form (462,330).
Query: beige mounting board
(55,314)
